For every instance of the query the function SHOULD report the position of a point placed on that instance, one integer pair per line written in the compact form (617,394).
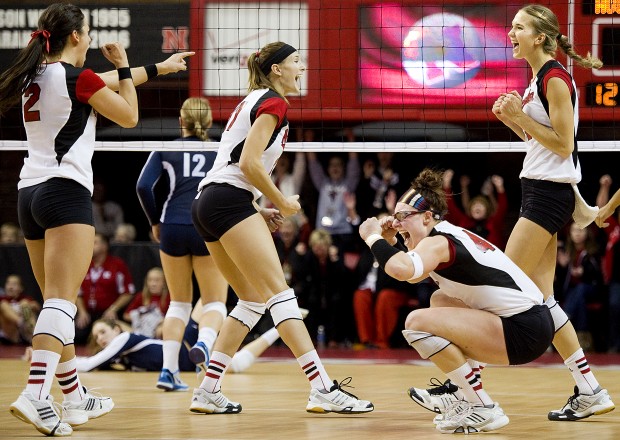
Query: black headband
(279,56)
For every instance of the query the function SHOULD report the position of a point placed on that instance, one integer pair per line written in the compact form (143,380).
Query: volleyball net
(404,75)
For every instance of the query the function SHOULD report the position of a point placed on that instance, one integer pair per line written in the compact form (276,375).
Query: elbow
(398,272)
(247,167)
(131,122)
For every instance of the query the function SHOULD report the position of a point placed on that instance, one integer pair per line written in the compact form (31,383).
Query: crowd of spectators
(333,274)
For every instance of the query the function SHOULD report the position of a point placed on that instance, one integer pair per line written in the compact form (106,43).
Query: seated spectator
(18,312)
(578,279)
(107,214)
(146,311)
(125,233)
(10,234)
(484,214)
(326,291)
(106,290)
(290,252)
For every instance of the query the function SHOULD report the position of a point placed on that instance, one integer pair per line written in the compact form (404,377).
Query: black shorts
(219,207)
(528,334)
(548,204)
(53,203)
(180,240)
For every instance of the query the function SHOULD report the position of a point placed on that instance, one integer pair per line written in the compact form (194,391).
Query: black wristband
(151,71)
(383,251)
(124,73)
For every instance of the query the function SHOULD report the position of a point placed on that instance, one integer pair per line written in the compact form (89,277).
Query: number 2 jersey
(482,276)
(60,125)
(226,166)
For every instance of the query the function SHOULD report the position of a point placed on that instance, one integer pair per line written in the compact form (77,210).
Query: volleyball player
(493,312)
(181,249)
(121,349)
(239,239)
(546,118)
(60,100)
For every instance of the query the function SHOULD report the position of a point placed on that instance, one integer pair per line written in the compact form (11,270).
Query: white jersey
(482,276)
(226,166)
(541,163)
(60,125)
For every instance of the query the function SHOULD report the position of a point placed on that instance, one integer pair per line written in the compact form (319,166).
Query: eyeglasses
(402,215)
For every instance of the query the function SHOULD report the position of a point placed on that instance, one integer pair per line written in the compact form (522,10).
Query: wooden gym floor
(273,393)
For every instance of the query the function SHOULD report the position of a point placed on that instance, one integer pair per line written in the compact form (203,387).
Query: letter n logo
(175,40)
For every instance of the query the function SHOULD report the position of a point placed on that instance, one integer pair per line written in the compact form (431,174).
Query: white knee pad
(248,313)
(560,318)
(425,344)
(215,306)
(283,306)
(179,310)
(57,319)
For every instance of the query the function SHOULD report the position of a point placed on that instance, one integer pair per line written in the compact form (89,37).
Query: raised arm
(140,75)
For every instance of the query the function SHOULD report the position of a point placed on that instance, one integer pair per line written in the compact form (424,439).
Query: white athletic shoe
(41,414)
(91,407)
(437,398)
(337,400)
(212,403)
(580,406)
(464,418)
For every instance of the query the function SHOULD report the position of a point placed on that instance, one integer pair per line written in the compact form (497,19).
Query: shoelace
(345,383)
(572,400)
(438,387)
(457,411)
(60,410)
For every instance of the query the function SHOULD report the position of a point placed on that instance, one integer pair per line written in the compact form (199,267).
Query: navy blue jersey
(185,170)
(139,352)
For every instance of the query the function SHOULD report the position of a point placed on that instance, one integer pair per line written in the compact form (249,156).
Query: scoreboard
(406,60)
(599,33)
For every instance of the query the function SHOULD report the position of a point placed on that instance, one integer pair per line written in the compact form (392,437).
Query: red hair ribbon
(45,34)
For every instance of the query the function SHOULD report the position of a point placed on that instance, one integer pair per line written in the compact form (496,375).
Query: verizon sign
(232,31)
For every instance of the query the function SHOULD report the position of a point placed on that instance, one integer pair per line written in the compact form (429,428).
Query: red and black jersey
(60,125)
(226,166)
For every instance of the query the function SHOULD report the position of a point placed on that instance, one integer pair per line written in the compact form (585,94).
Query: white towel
(583,214)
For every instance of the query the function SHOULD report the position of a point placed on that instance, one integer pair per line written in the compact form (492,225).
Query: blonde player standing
(546,118)
(238,235)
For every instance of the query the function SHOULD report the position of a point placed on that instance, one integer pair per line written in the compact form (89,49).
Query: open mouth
(406,237)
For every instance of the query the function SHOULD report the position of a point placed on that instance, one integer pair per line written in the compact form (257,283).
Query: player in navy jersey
(60,100)
(491,311)
(120,349)
(182,250)
(546,118)
(238,236)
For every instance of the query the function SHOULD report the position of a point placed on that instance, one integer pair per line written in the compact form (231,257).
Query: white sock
(471,387)
(314,370)
(69,381)
(218,364)
(171,351)
(579,368)
(207,335)
(42,368)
